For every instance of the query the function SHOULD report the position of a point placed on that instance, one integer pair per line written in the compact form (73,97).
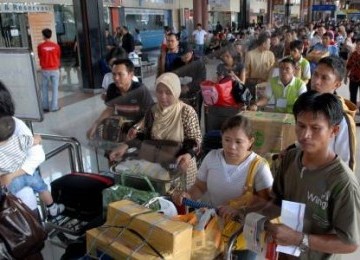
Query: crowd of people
(301,69)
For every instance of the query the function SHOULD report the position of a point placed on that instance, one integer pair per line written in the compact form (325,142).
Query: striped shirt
(13,153)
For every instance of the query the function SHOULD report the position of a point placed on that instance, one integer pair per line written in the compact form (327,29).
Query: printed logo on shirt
(320,200)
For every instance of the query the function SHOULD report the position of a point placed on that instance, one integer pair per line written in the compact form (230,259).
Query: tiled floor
(78,111)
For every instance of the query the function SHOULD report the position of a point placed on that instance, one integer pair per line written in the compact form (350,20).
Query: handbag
(20,231)
(230,226)
(114,128)
(159,151)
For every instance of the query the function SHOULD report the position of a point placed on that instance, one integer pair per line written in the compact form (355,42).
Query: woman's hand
(90,134)
(118,152)
(132,133)
(253,107)
(183,161)
(178,196)
(227,212)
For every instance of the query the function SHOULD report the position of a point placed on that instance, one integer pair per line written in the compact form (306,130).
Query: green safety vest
(292,93)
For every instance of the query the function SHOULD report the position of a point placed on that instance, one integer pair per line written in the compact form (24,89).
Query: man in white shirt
(199,36)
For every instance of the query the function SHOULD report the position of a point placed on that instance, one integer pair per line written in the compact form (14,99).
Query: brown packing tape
(126,246)
(162,233)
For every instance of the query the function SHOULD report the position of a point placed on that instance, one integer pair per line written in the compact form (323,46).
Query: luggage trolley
(138,67)
(134,179)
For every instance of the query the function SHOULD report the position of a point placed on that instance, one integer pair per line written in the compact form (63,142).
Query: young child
(13,151)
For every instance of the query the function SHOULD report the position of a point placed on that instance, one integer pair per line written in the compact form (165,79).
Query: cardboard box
(172,238)
(108,242)
(273,131)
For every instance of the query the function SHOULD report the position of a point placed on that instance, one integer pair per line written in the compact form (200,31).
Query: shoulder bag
(20,231)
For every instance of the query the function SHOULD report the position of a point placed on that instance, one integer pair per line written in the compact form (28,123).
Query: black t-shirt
(133,104)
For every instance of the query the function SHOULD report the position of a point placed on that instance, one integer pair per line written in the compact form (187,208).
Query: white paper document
(292,215)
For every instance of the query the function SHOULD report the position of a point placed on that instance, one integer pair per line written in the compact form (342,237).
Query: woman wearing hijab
(172,120)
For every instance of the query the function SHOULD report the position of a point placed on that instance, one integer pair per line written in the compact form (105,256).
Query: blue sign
(324,8)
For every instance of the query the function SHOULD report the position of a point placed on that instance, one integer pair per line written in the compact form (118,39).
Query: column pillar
(205,14)
(197,12)
(90,36)
(269,12)
(310,4)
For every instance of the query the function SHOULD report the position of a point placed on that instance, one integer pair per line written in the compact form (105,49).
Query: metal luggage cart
(138,72)
(136,180)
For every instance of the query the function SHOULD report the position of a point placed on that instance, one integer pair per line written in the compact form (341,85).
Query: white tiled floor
(74,120)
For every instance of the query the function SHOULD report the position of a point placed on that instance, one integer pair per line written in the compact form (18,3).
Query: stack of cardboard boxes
(119,237)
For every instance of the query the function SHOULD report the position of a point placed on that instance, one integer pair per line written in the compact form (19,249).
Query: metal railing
(72,145)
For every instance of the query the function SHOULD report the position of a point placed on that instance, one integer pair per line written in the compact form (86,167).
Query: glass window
(145,21)
(12,31)
(66,33)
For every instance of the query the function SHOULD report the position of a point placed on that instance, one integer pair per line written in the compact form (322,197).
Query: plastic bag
(225,89)
(209,92)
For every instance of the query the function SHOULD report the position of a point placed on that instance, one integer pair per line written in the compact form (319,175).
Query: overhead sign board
(317,8)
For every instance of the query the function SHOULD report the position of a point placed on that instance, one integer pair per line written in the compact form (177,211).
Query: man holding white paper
(314,175)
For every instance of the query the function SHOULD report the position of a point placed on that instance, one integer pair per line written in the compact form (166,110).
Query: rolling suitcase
(81,193)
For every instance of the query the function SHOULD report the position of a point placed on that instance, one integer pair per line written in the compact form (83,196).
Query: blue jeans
(199,49)
(33,181)
(50,76)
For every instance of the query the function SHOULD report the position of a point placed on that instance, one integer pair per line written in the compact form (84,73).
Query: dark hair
(328,34)
(238,121)
(198,24)
(7,107)
(7,127)
(275,34)
(263,37)
(46,33)
(173,34)
(357,40)
(327,104)
(296,45)
(336,64)
(117,52)
(230,48)
(125,28)
(126,62)
(137,30)
(288,60)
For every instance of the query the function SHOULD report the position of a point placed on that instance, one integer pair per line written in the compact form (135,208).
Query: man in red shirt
(49,56)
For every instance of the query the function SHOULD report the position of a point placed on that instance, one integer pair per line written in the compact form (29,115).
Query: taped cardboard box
(173,238)
(273,131)
(108,243)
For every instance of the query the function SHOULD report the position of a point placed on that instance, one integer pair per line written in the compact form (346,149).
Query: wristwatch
(304,244)
(136,127)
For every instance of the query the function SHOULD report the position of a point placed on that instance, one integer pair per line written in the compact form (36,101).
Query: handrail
(231,242)
(74,147)
(61,148)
